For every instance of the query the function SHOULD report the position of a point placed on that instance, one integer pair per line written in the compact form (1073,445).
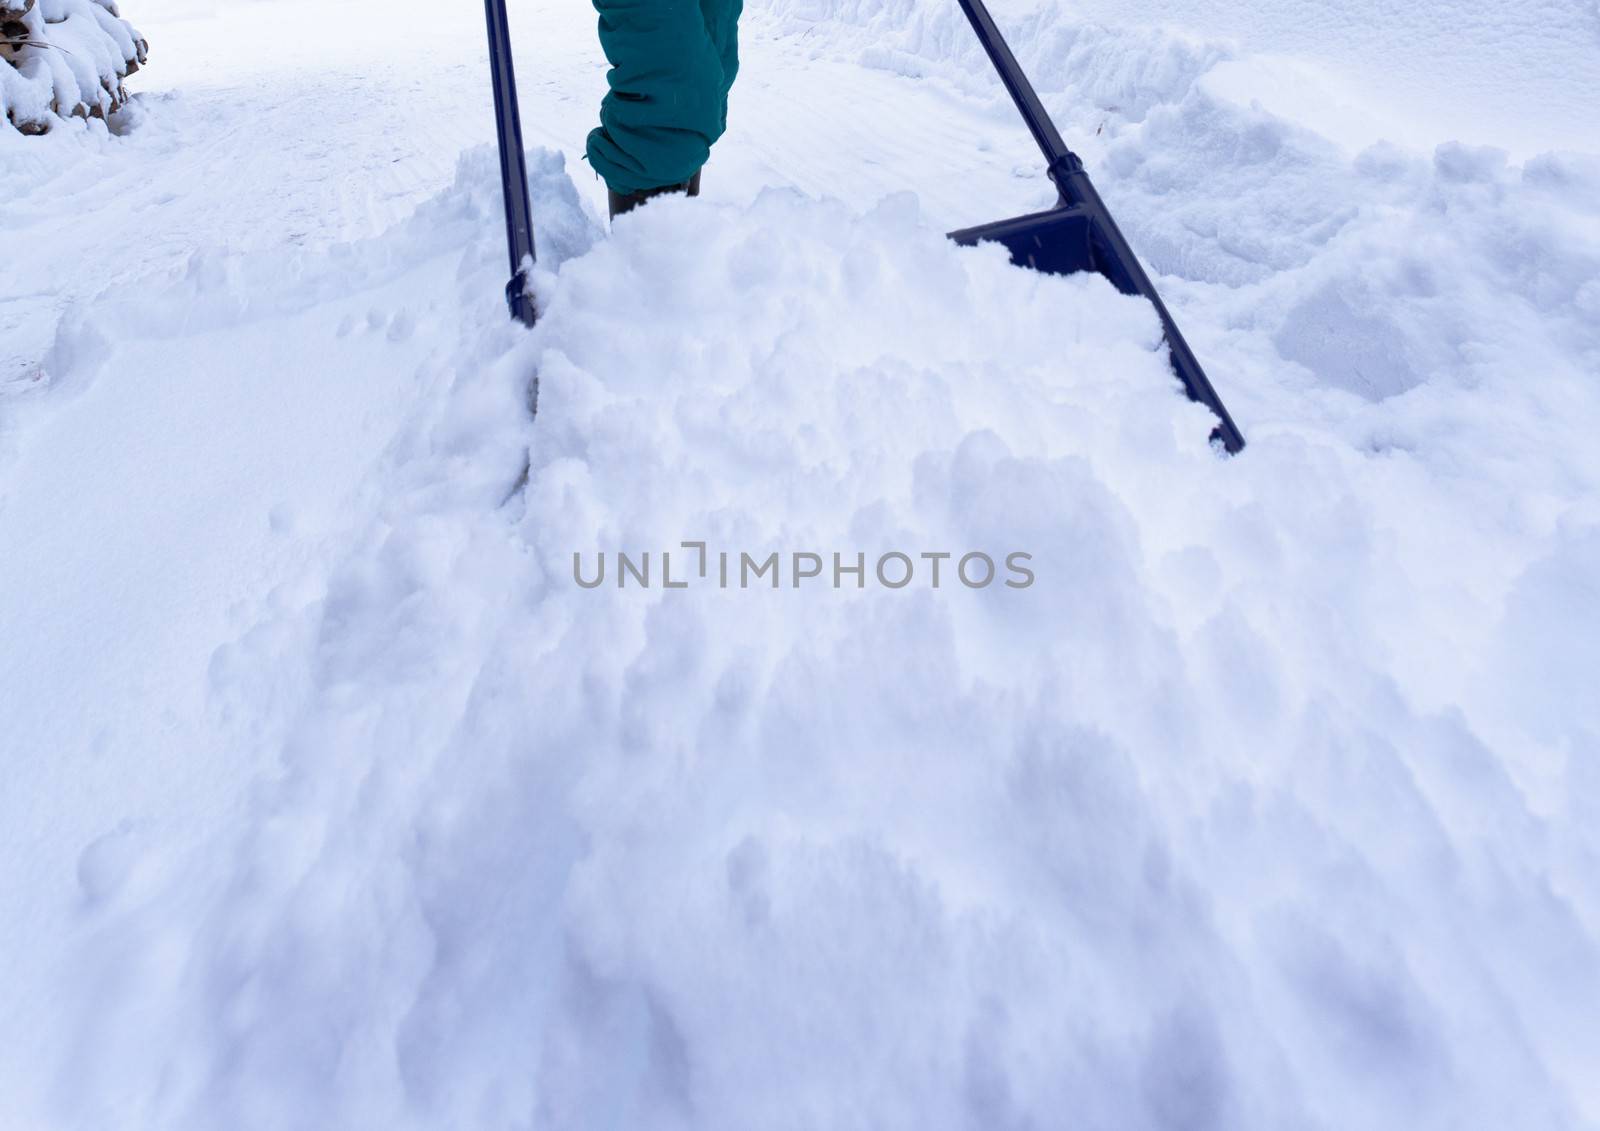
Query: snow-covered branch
(64,58)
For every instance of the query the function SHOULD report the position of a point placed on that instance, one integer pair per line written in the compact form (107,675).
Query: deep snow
(334,801)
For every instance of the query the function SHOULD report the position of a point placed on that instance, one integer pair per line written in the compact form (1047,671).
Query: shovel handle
(1056,154)
(513,163)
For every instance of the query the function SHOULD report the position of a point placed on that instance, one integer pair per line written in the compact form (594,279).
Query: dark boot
(626,202)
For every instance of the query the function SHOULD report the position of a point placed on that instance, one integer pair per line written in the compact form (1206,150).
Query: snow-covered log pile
(64,58)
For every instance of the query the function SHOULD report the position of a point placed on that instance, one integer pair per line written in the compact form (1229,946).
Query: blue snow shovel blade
(1078,234)
(1056,242)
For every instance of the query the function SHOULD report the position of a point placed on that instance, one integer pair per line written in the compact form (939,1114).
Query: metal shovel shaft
(513,164)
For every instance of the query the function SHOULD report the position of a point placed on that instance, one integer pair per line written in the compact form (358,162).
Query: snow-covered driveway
(331,800)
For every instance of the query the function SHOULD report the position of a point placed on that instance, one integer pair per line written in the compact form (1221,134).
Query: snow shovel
(1078,234)
(513,164)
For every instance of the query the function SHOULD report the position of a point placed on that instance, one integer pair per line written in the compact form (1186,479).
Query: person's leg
(722,24)
(667,103)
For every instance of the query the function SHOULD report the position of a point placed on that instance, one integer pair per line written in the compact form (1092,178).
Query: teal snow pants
(672,65)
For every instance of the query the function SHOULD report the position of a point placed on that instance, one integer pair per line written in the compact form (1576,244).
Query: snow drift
(1268,804)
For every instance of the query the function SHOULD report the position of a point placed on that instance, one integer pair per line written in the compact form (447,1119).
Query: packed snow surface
(1245,793)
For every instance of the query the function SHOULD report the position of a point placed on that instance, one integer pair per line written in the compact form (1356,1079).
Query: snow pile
(1269,803)
(1124,71)
(1352,264)
(64,58)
